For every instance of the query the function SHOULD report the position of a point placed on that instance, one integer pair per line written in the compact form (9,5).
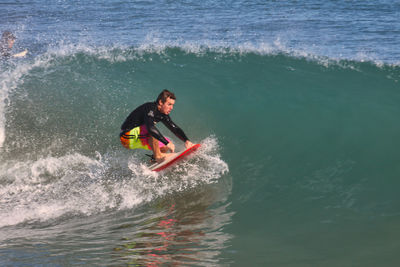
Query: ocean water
(296,105)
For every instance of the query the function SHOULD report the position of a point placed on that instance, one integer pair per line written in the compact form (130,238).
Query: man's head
(9,38)
(165,101)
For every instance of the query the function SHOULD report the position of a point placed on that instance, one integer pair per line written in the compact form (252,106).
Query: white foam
(74,184)
(8,81)
(40,190)
(153,43)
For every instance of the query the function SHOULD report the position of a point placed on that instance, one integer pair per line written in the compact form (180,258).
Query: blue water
(295,105)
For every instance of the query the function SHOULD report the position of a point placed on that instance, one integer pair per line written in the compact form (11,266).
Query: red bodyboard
(165,164)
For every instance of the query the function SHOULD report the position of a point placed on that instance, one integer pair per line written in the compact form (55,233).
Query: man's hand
(171,146)
(188,144)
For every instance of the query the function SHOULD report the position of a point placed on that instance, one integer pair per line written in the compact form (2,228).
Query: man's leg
(164,149)
(158,155)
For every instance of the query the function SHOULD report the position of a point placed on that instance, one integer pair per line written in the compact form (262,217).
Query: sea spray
(75,184)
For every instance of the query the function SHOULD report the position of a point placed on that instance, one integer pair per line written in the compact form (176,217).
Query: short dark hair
(7,35)
(163,96)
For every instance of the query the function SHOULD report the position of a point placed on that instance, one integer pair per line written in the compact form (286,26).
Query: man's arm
(175,129)
(152,129)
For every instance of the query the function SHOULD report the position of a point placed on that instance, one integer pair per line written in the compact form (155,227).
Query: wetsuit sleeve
(152,129)
(175,129)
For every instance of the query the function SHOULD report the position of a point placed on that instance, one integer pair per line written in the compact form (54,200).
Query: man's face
(10,43)
(166,107)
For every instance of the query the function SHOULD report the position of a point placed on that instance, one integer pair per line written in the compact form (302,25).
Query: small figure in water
(6,44)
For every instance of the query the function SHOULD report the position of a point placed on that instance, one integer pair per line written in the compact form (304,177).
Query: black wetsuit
(148,114)
(5,51)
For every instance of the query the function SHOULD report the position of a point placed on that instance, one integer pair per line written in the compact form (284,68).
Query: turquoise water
(299,158)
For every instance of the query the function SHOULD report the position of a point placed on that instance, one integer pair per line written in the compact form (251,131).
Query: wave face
(312,140)
(295,104)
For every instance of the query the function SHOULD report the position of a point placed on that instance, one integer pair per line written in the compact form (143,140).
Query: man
(139,130)
(6,44)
